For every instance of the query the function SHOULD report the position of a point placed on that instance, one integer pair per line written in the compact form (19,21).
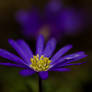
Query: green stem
(40,84)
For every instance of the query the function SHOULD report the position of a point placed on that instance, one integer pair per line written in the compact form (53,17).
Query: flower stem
(40,84)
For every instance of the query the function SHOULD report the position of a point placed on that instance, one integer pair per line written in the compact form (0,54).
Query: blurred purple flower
(30,22)
(72,21)
(43,61)
(53,22)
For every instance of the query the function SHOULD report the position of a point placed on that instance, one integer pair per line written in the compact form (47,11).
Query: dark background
(77,80)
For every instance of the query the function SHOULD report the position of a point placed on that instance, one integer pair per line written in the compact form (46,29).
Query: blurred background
(69,21)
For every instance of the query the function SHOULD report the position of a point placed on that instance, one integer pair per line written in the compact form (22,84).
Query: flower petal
(76,59)
(70,58)
(61,52)
(26,72)
(40,45)
(19,50)
(43,75)
(24,46)
(60,69)
(12,65)
(50,47)
(65,64)
(76,55)
(10,56)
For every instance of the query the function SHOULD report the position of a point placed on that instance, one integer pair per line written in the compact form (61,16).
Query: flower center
(40,63)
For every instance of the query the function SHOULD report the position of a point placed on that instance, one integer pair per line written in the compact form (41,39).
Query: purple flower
(30,22)
(54,21)
(42,61)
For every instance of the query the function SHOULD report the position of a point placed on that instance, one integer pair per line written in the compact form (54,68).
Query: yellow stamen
(40,63)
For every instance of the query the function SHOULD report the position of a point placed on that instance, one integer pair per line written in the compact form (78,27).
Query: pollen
(40,63)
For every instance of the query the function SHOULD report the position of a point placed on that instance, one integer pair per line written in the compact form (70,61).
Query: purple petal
(24,46)
(19,50)
(10,56)
(72,64)
(50,47)
(60,69)
(75,55)
(76,59)
(26,72)
(12,65)
(40,45)
(70,58)
(43,75)
(61,52)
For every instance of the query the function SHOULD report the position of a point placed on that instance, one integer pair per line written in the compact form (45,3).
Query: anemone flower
(54,21)
(42,61)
